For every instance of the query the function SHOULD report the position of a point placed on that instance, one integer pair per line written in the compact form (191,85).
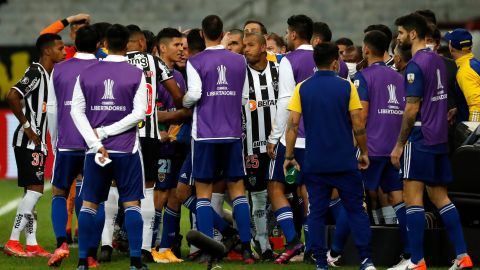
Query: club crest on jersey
(275,86)
(392,95)
(410,77)
(25,80)
(222,77)
(356,83)
(108,94)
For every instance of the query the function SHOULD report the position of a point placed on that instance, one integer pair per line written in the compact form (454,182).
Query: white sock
(24,209)
(148,216)
(193,248)
(259,210)
(217,203)
(111,211)
(377,216)
(389,215)
(31,230)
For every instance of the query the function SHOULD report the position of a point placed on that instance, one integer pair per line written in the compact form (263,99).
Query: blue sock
(218,222)
(342,229)
(86,218)
(402,224)
(241,212)
(134,226)
(416,228)
(285,220)
(205,217)
(156,226)
(59,217)
(451,220)
(98,227)
(336,207)
(171,220)
(78,198)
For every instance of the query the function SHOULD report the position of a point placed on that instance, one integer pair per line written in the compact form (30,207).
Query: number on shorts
(164,165)
(251,162)
(37,159)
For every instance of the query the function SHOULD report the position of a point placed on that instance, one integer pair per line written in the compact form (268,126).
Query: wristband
(26,125)
(65,22)
(289,158)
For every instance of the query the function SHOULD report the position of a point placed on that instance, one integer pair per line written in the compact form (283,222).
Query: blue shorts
(382,173)
(210,158)
(185,174)
(275,172)
(67,165)
(434,169)
(168,172)
(125,168)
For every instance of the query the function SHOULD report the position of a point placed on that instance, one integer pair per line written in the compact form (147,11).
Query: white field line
(12,205)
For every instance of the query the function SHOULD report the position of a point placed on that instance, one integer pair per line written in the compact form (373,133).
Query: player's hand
(164,136)
(363,162)
(104,153)
(287,164)
(225,39)
(452,114)
(79,17)
(271,150)
(395,156)
(32,136)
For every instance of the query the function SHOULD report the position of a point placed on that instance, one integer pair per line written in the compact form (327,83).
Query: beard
(406,45)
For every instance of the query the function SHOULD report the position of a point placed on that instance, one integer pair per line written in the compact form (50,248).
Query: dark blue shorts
(185,174)
(382,173)
(67,165)
(210,158)
(275,172)
(168,172)
(125,168)
(433,169)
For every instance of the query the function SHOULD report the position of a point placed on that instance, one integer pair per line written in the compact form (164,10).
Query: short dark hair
(377,42)
(380,27)
(150,37)
(405,54)
(434,33)
(412,22)
(322,30)
(302,25)
(236,31)
(87,39)
(195,41)
(212,27)
(325,53)
(278,39)
(101,28)
(262,26)
(117,38)
(168,33)
(428,14)
(344,41)
(133,28)
(46,40)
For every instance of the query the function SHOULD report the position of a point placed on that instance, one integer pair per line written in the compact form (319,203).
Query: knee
(59,192)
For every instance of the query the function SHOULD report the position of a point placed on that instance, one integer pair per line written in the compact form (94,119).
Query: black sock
(92,252)
(136,261)
(246,246)
(334,254)
(406,256)
(60,241)
(82,262)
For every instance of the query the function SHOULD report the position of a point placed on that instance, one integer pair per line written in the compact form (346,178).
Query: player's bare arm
(174,90)
(360,134)
(14,101)
(291,138)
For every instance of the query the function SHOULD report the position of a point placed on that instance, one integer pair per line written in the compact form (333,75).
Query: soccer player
(423,137)
(235,41)
(171,154)
(276,44)
(329,116)
(66,140)
(259,114)
(75,22)
(342,44)
(28,100)
(216,78)
(295,67)
(109,100)
(253,26)
(468,76)
(382,95)
(401,57)
(387,58)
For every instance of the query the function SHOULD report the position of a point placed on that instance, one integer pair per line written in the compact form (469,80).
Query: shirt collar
(216,47)
(461,60)
(378,63)
(84,56)
(325,73)
(307,47)
(115,58)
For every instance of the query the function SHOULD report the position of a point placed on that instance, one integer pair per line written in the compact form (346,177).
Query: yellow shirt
(468,79)
(271,57)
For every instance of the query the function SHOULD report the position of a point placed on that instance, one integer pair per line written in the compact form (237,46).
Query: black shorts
(257,171)
(150,154)
(30,165)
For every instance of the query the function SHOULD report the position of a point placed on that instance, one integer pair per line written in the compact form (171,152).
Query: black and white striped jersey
(260,110)
(155,72)
(33,87)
